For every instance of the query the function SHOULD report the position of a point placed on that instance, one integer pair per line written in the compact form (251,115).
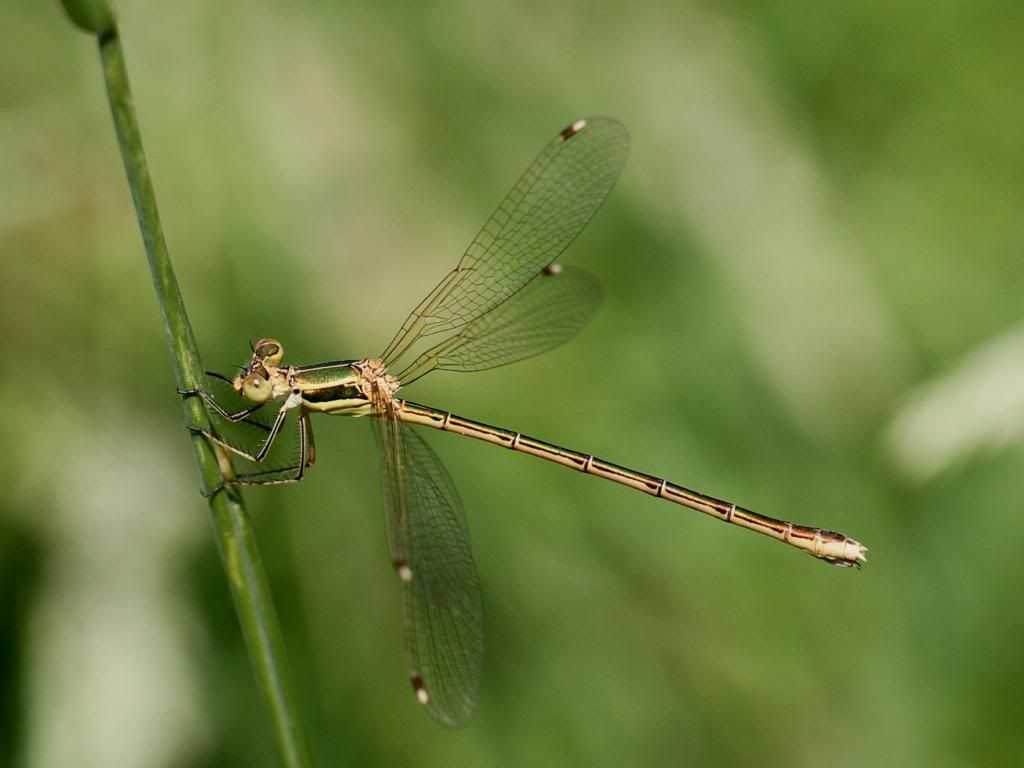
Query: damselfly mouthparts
(506,300)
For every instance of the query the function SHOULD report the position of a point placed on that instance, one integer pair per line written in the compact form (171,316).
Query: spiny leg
(307,455)
(211,401)
(261,454)
(308,425)
(281,475)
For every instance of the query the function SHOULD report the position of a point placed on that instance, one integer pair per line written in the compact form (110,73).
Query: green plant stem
(235,540)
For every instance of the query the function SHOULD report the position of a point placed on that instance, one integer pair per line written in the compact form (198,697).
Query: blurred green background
(813,268)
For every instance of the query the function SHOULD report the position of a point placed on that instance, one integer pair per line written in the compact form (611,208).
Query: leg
(218,408)
(292,474)
(261,454)
(312,444)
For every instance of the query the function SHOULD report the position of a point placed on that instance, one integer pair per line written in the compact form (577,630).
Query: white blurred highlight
(109,680)
(977,405)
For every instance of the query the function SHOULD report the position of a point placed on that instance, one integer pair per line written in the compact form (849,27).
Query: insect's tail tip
(837,549)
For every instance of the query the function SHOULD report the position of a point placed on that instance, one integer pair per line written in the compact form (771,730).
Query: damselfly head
(254,384)
(255,381)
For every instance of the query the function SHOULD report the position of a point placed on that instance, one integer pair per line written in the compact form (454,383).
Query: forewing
(550,310)
(429,545)
(545,211)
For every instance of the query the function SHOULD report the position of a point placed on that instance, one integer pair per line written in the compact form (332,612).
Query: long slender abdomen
(826,545)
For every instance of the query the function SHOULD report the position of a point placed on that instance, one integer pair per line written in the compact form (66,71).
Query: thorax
(342,387)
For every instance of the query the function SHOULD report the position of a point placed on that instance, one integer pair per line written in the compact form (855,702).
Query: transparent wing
(552,308)
(429,545)
(545,211)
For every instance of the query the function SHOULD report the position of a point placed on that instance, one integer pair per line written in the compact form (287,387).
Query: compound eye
(256,388)
(269,351)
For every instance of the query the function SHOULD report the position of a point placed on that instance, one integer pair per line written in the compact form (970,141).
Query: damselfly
(506,300)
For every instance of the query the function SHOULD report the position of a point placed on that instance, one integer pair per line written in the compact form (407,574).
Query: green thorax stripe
(326,374)
(331,394)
